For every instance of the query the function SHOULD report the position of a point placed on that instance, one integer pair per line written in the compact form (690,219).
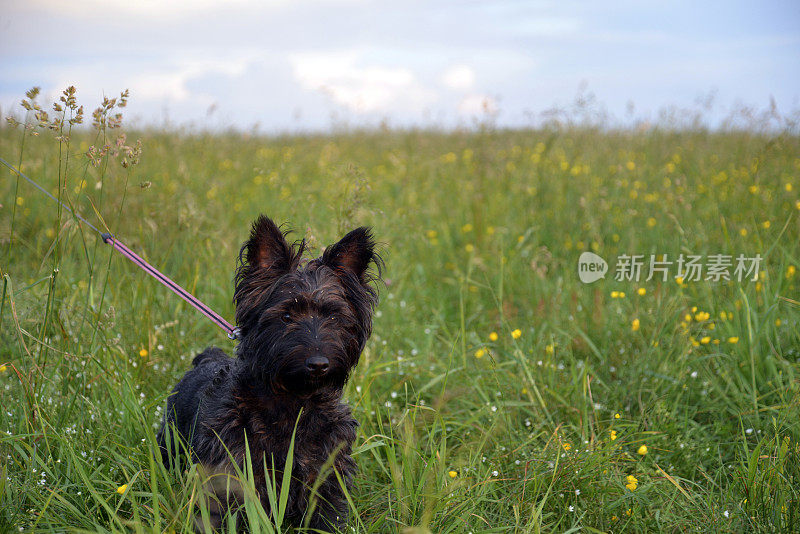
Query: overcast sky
(308,64)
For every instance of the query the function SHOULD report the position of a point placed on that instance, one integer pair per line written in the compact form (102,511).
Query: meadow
(498,393)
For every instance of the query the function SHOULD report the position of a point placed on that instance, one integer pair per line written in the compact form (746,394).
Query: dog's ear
(267,248)
(353,254)
(265,257)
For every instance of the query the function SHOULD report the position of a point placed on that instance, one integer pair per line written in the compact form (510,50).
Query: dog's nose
(317,365)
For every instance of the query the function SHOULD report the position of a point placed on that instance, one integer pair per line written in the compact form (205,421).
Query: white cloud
(148,8)
(165,83)
(363,89)
(477,105)
(159,86)
(171,8)
(459,77)
(180,56)
(546,26)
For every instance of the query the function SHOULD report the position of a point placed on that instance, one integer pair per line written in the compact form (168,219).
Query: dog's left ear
(353,254)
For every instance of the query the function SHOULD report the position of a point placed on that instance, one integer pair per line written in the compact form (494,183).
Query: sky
(314,65)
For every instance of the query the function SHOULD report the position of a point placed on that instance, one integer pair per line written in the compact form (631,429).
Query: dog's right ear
(267,247)
(265,257)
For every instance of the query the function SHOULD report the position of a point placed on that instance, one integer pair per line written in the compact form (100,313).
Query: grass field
(498,392)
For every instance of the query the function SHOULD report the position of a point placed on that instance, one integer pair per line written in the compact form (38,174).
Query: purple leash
(175,288)
(233,333)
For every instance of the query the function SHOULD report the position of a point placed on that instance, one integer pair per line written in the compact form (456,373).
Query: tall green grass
(533,428)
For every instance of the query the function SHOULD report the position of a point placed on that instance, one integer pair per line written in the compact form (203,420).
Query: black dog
(303,325)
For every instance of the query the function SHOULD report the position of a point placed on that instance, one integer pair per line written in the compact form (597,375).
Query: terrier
(303,324)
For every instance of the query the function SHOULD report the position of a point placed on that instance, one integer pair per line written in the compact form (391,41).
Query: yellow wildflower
(469,247)
(641,291)
(616,416)
(635,325)
(641,451)
(452,474)
(143,353)
(493,336)
(613,435)
(516,333)
(122,489)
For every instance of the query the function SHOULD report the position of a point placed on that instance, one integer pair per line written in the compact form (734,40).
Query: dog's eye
(286,317)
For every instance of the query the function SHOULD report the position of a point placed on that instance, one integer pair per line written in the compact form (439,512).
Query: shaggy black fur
(303,326)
